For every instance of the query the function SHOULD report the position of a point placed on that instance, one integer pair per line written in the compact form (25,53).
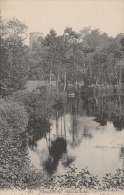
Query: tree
(70,38)
(14,63)
(99,65)
(49,58)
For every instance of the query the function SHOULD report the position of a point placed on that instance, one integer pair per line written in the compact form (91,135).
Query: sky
(42,15)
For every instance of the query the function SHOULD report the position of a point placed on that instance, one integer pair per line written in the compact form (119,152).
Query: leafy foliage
(112,182)
(14,56)
(73,181)
(15,166)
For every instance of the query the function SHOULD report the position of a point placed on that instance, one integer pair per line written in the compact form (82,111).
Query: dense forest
(89,57)
(88,63)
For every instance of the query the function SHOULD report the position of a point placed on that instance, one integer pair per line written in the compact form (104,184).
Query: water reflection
(106,109)
(38,127)
(85,132)
(57,148)
(122,156)
(77,134)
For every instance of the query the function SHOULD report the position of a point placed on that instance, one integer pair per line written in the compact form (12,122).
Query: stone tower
(33,37)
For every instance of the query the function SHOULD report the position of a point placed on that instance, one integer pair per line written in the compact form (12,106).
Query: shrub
(114,182)
(13,115)
(16,170)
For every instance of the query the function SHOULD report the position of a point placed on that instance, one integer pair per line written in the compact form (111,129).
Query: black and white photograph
(62,97)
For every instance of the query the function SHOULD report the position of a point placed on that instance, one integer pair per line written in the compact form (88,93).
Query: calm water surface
(87,134)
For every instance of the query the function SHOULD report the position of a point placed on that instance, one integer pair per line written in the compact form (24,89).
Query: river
(87,134)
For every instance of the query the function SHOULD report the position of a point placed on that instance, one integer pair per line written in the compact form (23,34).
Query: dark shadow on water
(38,127)
(68,161)
(101,119)
(87,134)
(122,152)
(118,123)
(57,148)
(105,109)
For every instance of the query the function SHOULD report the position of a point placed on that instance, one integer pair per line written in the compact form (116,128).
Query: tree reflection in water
(106,108)
(87,134)
(77,133)
(103,108)
(122,152)
(57,151)
(38,127)
(122,156)
(57,148)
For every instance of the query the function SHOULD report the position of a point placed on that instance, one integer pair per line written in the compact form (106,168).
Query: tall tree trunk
(65,81)
(75,74)
(89,71)
(51,64)
(57,122)
(61,122)
(50,76)
(57,82)
(120,72)
(97,82)
(64,124)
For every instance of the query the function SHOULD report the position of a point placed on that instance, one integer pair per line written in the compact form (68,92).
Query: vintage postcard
(62,97)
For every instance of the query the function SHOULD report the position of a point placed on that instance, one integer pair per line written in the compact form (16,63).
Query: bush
(114,182)
(73,181)
(16,170)
(13,116)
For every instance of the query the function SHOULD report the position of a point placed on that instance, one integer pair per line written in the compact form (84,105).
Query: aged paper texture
(101,119)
